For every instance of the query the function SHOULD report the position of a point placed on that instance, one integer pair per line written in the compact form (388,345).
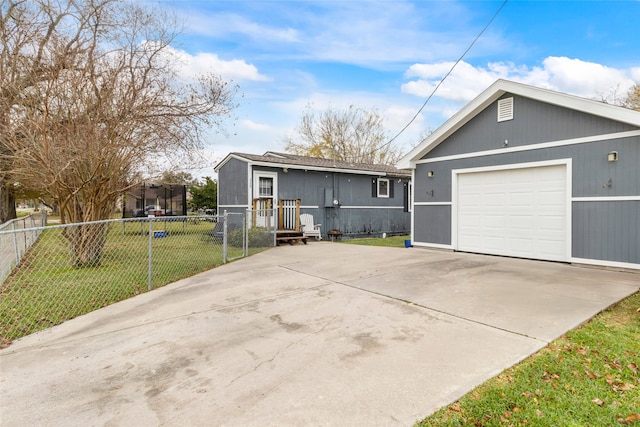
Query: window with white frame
(383,187)
(265,186)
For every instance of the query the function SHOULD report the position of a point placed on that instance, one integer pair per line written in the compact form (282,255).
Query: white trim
(249,185)
(257,174)
(498,89)
(557,162)
(309,207)
(527,165)
(607,199)
(603,263)
(432,204)
(413,211)
(371,207)
(378,181)
(317,168)
(530,147)
(304,167)
(234,206)
(432,245)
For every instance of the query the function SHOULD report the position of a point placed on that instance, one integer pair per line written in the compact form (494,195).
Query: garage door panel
(515,212)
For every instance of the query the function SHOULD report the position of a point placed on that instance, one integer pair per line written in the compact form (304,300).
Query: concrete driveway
(323,334)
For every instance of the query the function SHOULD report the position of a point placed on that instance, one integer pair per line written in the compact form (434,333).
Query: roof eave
(494,92)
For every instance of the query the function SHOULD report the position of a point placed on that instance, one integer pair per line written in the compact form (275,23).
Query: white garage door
(514,212)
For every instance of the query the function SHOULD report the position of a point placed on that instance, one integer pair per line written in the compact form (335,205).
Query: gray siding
(593,175)
(232,183)
(603,230)
(606,231)
(432,224)
(359,213)
(533,122)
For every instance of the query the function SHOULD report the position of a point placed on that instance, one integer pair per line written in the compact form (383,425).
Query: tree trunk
(87,242)
(7,202)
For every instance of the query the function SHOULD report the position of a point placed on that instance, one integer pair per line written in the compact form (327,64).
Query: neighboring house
(155,199)
(354,199)
(527,172)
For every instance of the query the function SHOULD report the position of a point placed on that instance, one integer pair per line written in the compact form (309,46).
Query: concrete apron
(323,334)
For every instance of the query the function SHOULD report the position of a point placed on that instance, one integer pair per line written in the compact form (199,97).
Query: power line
(446,75)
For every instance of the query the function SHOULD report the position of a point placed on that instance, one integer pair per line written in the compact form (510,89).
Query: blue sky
(389,55)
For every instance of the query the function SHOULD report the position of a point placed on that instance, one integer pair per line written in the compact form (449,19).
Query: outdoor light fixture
(612,156)
(285,170)
(430,174)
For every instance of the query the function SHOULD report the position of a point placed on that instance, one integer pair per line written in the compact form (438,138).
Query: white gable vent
(505,109)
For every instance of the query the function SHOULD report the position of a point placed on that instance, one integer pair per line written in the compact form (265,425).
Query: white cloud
(250,124)
(574,76)
(190,66)
(586,79)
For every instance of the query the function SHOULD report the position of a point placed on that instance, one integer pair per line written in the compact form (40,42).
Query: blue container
(159,234)
(407,244)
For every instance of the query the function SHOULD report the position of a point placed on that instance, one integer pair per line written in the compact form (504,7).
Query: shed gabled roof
(499,88)
(292,161)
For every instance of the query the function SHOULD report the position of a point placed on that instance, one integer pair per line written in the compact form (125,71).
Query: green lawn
(48,289)
(589,377)
(394,242)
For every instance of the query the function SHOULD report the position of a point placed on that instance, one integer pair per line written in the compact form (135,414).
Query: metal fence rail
(73,269)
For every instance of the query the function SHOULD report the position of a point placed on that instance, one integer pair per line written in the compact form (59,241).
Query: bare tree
(99,101)
(353,135)
(632,101)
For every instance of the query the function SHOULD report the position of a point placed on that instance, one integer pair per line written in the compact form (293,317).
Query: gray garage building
(353,199)
(527,172)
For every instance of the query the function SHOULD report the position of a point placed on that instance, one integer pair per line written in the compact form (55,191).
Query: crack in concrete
(457,316)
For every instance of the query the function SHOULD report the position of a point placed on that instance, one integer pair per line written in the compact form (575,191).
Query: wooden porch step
(290,237)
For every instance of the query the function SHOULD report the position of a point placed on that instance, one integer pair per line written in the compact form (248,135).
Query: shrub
(259,237)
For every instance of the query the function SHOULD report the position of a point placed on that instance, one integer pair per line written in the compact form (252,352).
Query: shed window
(505,109)
(382,187)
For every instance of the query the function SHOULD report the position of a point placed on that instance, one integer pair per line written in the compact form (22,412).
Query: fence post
(149,267)
(15,242)
(245,233)
(224,237)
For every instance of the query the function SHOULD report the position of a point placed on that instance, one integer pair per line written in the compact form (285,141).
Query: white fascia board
(319,168)
(499,88)
(226,159)
(450,126)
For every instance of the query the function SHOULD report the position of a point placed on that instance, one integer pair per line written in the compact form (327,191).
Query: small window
(505,109)
(265,187)
(383,187)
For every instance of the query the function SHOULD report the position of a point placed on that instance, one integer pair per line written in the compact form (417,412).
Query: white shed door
(514,212)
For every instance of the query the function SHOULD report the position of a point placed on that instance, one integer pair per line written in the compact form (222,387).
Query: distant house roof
(501,87)
(292,161)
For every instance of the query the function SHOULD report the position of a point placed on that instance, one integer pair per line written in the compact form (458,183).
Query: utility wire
(445,77)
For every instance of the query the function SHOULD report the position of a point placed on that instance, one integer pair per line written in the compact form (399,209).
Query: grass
(47,289)
(393,242)
(589,377)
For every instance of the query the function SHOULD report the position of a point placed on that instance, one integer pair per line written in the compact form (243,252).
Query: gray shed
(527,172)
(352,199)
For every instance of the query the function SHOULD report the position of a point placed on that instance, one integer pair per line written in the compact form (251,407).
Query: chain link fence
(13,248)
(70,270)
